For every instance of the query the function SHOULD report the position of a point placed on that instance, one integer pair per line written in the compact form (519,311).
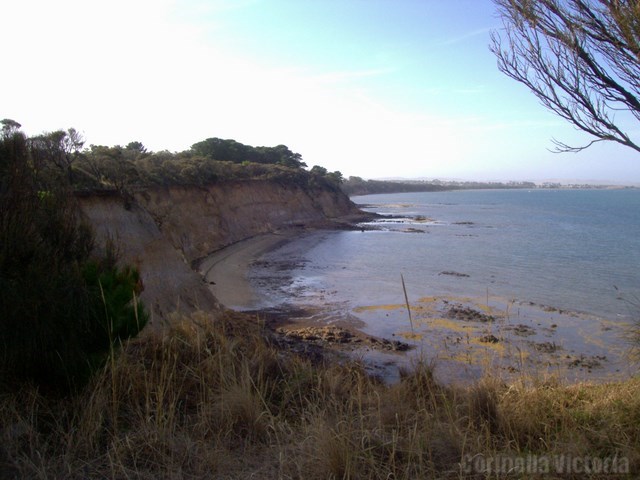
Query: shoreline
(226,271)
(464,336)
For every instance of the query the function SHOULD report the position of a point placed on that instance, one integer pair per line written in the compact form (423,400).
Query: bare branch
(561,147)
(581,58)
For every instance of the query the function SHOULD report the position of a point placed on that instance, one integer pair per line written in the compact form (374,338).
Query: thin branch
(579,57)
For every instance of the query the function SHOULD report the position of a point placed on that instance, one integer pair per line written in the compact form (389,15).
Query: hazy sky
(375,88)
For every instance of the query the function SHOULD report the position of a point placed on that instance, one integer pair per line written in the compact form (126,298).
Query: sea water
(577,250)
(573,251)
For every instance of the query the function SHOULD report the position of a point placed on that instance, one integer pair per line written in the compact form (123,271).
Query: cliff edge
(165,231)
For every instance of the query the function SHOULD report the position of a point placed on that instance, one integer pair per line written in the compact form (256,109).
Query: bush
(116,310)
(60,310)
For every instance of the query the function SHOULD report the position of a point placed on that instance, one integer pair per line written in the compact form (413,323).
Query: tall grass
(221,398)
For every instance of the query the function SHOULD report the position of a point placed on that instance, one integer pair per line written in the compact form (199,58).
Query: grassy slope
(221,399)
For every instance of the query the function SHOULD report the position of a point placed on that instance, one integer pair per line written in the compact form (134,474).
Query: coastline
(226,271)
(465,336)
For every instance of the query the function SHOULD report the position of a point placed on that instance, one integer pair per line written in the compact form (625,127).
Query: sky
(372,88)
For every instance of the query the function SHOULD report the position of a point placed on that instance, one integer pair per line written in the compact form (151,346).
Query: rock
(523,330)
(587,362)
(489,339)
(545,347)
(333,335)
(454,274)
(459,312)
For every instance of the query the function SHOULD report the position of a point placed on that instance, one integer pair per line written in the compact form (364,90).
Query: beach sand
(226,271)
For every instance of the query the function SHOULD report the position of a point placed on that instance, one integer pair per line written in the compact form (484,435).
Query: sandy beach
(226,271)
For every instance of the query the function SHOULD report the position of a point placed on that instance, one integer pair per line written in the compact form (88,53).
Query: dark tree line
(358,186)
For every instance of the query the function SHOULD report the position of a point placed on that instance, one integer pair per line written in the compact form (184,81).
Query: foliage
(124,169)
(581,58)
(235,152)
(359,186)
(112,167)
(57,303)
(321,176)
(227,398)
(209,162)
(60,149)
(115,310)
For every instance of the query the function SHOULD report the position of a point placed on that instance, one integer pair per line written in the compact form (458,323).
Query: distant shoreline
(378,187)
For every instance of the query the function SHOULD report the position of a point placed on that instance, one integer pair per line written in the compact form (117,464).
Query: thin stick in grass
(406,300)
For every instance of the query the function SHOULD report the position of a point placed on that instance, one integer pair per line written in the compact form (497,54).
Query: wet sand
(226,271)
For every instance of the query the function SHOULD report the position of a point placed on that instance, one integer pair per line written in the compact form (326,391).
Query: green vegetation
(221,398)
(126,169)
(232,151)
(63,306)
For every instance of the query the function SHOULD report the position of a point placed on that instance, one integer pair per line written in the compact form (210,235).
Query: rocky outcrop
(166,230)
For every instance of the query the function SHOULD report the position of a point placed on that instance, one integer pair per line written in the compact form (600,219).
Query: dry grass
(219,399)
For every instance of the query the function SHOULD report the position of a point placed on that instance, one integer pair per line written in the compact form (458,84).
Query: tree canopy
(125,169)
(581,58)
(236,152)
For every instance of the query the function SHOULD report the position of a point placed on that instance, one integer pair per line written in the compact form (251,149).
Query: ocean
(572,252)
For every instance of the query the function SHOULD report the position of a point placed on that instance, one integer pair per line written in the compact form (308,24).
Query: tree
(288,158)
(221,149)
(336,177)
(318,170)
(63,306)
(581,58)
(114,166)
(136,147)
(9,127)
(60,148)
(236,152)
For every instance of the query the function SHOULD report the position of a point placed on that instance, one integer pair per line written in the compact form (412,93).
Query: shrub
(60,310)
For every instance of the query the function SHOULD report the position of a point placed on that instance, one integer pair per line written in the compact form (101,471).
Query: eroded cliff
(166,230)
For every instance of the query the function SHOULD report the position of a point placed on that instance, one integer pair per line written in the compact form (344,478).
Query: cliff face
(198,222)
(167,229)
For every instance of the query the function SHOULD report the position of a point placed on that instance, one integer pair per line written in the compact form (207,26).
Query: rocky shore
(466,338)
